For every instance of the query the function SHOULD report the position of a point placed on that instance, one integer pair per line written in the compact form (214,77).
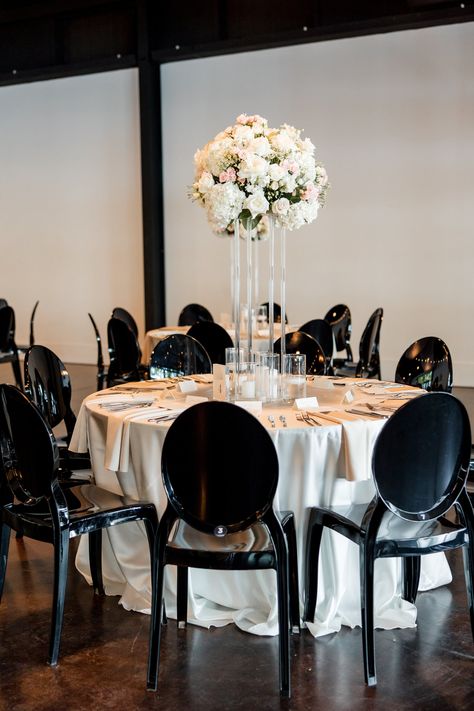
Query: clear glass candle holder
(293,376)
(267,376)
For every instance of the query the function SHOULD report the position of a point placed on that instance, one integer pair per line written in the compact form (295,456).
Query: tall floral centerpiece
(250,176)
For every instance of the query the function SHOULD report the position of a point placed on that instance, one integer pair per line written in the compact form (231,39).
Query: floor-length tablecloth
(318,465)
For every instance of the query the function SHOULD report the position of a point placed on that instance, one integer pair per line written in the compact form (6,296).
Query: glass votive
(267,376)
(246,381)
(294,376)
(234,357)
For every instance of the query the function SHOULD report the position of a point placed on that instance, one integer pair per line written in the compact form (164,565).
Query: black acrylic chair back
(211,483)
(29,453)
(48,385)
(276,312)
(124,352)
(321,331)
(213,337)
(127,318)
(100,356)
(299,342)
(32,324)
(426,364)
(421,456)
(8,347)
(192,313)
(178,355)
(339,318)
(369,356)
(3,302)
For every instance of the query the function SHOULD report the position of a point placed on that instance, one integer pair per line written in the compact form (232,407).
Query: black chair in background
(339,318)
(48,386)
(322,332)
(299,342)
(124,354)
(213,337)
(47,512)
(276,312)
(100,358)
(222,500)
(426,364)
(178,355)
(368,365)
(8,347)
(127,318)
(192,313)
(23,348)
(3,302)
(419,465)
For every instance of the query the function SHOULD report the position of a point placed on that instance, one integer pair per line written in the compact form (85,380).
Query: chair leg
(182,596)
(61,554)
(367,612)
(155,626)
(315,531)
(283,621)
(95,561)
(290,533)
(4,546)
(411,577)
(468,553)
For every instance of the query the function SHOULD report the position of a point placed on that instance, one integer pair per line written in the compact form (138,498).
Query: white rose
(281,206)
(257,203)
(276,172)
(307,146)
(243,134)
(205,182)
(260,146)
(252,167)
(283,143)
(288,184)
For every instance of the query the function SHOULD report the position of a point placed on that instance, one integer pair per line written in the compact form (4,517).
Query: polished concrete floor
(104,651)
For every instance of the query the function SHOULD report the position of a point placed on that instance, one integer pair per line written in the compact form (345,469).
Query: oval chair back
(369,353)
(322,332)
(124,352)
(213,338)
(421,456)
(126,317)
(210,483)
(299,342)
(192,313)
(178,355)
(48,385)
(426,364)
(339,318)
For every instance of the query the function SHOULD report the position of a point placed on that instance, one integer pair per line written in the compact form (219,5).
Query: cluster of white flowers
(250,170)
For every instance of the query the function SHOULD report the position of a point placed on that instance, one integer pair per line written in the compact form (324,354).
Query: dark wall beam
(340,30)
(58,71)
(152,176)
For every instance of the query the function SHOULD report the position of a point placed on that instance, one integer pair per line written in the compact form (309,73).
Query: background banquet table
(259,343)
(320,465)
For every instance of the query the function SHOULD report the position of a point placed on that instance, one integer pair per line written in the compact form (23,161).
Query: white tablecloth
(318,465)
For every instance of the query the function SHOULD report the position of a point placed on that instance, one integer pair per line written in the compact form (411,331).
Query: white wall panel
(70,206)
(392,117)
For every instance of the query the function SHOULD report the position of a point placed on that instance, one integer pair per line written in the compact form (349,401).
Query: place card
(348,397)
(187,386)
(219,391)
(252,406)
(304,403)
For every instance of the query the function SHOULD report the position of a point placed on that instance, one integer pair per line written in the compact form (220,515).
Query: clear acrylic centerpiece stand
(246,280)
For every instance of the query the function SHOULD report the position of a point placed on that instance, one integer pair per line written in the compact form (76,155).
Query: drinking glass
(294,376)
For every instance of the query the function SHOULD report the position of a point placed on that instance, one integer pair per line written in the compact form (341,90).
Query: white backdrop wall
(392,117)
(70,207)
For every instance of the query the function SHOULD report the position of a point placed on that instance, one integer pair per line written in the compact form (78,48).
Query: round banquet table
(329,464)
